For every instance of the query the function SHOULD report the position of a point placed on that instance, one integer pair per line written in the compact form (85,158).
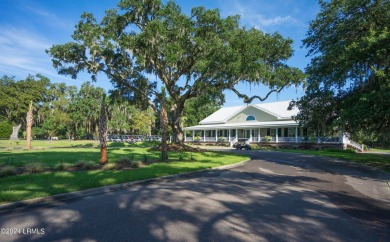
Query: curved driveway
(274,197)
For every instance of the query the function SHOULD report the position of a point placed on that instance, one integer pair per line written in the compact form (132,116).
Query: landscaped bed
(68,169)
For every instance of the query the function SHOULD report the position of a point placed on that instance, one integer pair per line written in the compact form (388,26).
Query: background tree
(348,82)
(197,109)
(84,110)
(189,55)
(29,122)
(16,96)
(5,130)
(121,114)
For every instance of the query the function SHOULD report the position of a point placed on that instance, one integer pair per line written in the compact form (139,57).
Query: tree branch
(250,99)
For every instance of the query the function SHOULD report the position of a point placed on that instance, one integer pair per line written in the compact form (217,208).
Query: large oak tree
(348,82)
(190,55)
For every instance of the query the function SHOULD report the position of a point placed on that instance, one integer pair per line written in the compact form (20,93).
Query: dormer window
(250,118)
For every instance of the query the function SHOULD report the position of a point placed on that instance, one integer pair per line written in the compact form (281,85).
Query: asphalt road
(274,197)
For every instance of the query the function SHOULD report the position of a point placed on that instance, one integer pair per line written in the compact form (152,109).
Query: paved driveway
(274,197)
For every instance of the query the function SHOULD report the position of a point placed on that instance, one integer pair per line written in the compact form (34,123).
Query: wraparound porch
(256,135)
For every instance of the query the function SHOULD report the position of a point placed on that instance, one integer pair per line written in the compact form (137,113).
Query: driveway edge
(56,199)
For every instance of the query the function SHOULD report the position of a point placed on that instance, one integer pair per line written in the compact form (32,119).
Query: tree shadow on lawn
(26,186)
(218,206)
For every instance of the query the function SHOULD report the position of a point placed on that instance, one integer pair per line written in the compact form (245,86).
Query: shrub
(268,138)
(34,167)
(5,130)
(60,166)
(7,171)
(109,166)
(136,164)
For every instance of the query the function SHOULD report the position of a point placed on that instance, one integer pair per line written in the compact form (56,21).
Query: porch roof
(254,124)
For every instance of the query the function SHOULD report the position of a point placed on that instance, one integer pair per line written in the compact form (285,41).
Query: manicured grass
(380,150)
(27,186)
(51,157)
(374,160)
(71,152)
(39,144)
(12,145)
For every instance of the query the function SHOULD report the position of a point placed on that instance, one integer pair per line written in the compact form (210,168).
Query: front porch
(257,135)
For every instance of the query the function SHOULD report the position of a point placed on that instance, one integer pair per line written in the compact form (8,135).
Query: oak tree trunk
(176,123)
(15,132)
(164,132)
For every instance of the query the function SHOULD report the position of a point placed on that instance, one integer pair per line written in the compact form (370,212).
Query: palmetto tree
(103,131)
(29,122)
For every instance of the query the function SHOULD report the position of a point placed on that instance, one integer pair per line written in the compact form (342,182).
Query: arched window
(250,118)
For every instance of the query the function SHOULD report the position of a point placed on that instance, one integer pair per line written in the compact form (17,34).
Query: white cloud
(254,14)
(23,52)
(12,37)
(49,18)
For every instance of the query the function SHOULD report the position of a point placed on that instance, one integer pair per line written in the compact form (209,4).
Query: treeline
(64,111)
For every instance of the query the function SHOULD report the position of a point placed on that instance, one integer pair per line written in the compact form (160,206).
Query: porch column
(204,135)
(258,136)
(237,134)
(216,135)
(229,135)
(250,135)
(193,135)
(185,135)
(277,137)
(296,134)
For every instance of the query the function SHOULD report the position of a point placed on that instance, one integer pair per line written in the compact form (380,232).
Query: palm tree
(103,131)
(29,121)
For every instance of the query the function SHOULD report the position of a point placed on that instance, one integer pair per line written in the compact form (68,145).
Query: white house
(254,123)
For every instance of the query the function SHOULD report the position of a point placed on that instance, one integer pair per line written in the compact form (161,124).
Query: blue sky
(29,27)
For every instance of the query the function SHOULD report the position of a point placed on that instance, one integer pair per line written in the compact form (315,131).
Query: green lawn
(27,186)
(380,150)
(21,144)
(374,160)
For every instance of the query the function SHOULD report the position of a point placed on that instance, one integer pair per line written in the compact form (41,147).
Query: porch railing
(286,139)
(255,139)
(355,145)
(209,139)
(189,139)
(300,139)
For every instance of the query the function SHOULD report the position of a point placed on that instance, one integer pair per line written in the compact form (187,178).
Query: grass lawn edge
(46,200)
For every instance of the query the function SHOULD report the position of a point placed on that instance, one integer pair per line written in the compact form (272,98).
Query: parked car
(244,146)
(126,138)
(115,138)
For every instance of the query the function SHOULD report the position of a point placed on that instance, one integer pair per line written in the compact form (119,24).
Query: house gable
(259,115)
